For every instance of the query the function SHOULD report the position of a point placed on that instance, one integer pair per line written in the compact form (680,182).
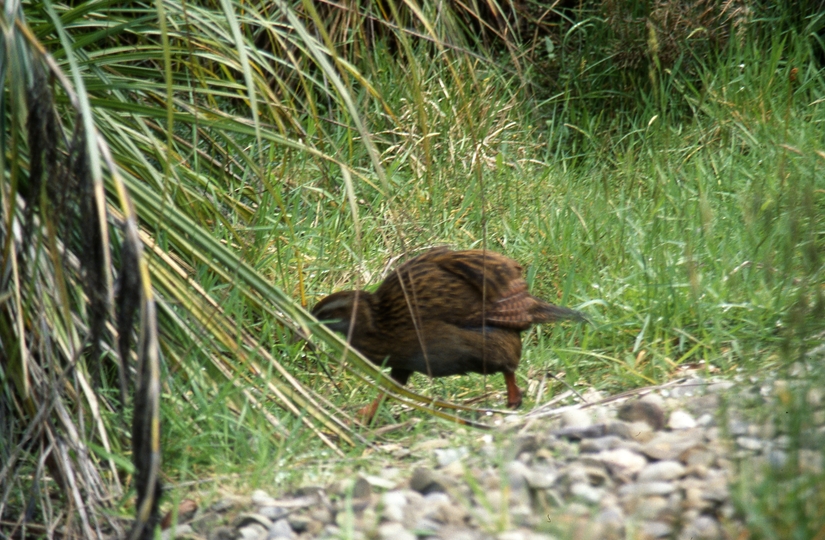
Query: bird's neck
(366,334)
(363,305)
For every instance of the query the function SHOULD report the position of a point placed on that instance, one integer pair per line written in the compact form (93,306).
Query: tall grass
(677,199)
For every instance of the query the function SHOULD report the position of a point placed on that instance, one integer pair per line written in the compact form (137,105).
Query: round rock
(576,418)
(425,481)
(643,411)
(661,471)
(280,530)
(394,531)
(681,420)
(622,461)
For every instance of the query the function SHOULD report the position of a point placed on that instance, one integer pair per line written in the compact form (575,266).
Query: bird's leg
(513,391)
(367,413)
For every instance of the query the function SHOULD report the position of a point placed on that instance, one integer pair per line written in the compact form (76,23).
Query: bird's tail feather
(549,313)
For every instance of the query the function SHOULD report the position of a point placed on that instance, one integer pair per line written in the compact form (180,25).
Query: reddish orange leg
(513,391)
(367,413)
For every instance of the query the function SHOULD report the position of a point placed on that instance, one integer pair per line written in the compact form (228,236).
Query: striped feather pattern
(444,313)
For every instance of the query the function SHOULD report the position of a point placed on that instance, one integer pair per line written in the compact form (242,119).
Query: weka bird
(429,316)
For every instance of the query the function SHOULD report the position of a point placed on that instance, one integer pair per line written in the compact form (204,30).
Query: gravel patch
(655,467)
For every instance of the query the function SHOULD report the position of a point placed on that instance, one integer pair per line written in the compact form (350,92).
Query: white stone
(647,489)
(749,443)
(681,420)
(586,492)
(379,482)
(624,460)
(656,529)
(512,535)
(394,503)
(541,477)
(252,532)
(661,471)
(576,418)
(262,498)
(394,531)
(280,529)
(447,456)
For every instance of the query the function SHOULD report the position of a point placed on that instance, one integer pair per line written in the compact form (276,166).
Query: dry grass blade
(146,420)
(55,233)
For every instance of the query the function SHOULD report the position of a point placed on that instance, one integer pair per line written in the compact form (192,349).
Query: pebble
(384,481)
(431,444)
(667,445)
(425,481)
(681,420)
(648,411)
(262,498)
(698,456)
(635,431)
(280,530)
(576,418)
(585,432)
(541,477)
(661,471)
(622,460)
(362,489)
(586,493)
(599,444)
(299,523)
(252,518)
(651,508)
(394,531)
(720,387)
(463,534)
(272,513)
(644,489)
(611,516)
(705,420)
(656,529)
(394,503)
(749,443)
(656,467)
(517,473)
(449,455)
(181,531)
(252,532)
(702,528)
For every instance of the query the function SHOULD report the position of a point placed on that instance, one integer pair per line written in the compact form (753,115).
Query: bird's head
(336,311)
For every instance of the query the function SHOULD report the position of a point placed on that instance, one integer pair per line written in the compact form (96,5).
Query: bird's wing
(499,275)
(507,303)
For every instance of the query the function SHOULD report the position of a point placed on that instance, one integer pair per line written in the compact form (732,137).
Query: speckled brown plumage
(427,316)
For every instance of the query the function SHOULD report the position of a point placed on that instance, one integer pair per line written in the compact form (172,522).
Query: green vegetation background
(656,165)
